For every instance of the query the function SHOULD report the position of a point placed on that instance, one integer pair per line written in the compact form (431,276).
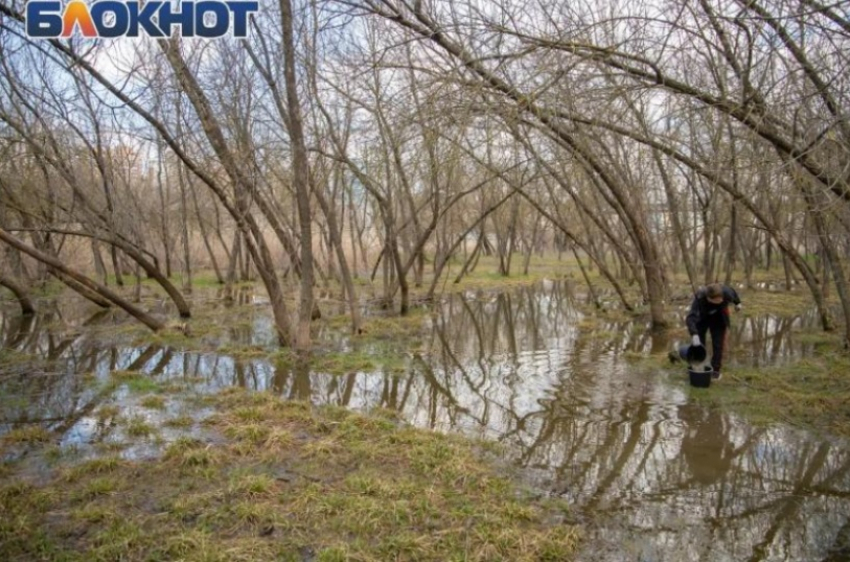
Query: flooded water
(651,474)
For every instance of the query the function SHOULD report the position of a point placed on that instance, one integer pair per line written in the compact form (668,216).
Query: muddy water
(651,474)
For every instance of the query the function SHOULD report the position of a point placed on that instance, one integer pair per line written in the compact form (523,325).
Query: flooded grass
(383,328)
(290,482)
(564,385)
(153,402)
(341,363)
(812,393)
(778,303)
(138,426)
(25,435)
(248,476)
(180,422)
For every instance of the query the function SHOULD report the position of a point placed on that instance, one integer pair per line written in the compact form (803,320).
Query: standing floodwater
(652,475)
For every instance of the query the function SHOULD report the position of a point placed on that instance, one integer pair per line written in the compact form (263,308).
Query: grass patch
(98,466)
(392,328)
(153,402)
(136,382)
(341,363)
(190,453)
(142,385)
(244,351)
(137,426)
(780,303)
(25,435)
(180,422)
(95,487)
(338,485)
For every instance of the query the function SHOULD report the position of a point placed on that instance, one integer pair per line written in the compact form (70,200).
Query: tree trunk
(201,225)
(301,177)
(732,250)
(79,288)
(831,258)
(99,266)
(336,244)
(27,306)
(242,185)
(584,274)
(184,232)
(163,211)
(137,313)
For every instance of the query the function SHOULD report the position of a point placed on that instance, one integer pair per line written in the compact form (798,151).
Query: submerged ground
(497,424)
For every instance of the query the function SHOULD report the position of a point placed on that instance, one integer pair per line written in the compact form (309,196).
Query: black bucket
(693,353)
(701,378)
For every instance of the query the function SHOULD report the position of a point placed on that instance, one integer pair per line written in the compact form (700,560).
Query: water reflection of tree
(768,340)
(50,387)
(295,381)
(497,332)
(68,378)
(519,368)
(608,444)
(17,329)
(484,325)
(486,328)
(440,397)
(693,470)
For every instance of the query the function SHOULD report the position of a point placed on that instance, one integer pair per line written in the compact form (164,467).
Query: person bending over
(709,312)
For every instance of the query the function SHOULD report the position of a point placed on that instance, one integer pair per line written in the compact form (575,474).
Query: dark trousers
(718,341)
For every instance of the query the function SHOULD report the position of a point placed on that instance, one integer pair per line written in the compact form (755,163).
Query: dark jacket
(703,313)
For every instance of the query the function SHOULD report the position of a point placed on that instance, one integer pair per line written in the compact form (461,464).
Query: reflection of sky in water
(665,478)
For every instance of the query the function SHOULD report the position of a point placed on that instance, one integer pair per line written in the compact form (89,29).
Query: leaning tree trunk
(832,260)
(79,288)
(54,263)
(27,306)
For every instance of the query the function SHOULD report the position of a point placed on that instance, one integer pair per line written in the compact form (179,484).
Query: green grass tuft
(27,434)
(289,479)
